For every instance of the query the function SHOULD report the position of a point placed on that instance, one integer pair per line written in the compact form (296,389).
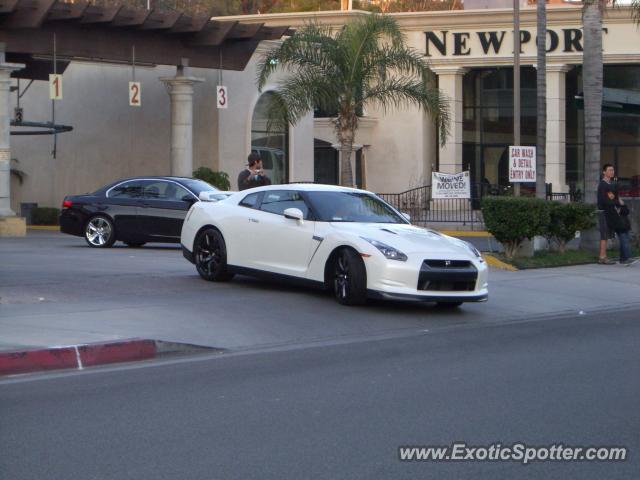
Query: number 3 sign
(135,94)
(223,100)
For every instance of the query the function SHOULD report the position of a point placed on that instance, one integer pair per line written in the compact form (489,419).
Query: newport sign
(445,43)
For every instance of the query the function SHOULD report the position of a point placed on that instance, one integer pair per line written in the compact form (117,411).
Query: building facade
(470,53)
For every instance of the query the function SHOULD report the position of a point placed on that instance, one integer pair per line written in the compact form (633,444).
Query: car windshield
(197,186)
(352,207)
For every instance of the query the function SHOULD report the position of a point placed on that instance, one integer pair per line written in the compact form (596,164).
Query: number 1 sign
(55,86)
(222,99)
(135,94)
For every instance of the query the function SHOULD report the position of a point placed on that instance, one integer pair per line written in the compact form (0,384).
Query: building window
(488,125)
(326,165)
(272,145)
(620,127)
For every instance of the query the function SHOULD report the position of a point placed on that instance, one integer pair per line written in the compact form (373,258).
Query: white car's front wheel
(210,255)
(349,278)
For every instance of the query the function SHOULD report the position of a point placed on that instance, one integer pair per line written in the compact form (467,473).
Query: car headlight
(389,252)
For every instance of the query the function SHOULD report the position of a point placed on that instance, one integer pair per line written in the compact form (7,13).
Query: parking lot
(54,290)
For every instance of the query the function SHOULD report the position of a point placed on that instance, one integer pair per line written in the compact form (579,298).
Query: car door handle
(145,205)
(254,220)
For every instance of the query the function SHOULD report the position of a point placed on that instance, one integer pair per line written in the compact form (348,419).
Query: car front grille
(447,276)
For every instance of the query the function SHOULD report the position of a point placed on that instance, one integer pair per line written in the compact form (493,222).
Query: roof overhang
(109,34)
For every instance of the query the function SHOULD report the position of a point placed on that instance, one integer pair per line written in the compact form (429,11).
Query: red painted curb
(101,353)
(76,356)
(35,360)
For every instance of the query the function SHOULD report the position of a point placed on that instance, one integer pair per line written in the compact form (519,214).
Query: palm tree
(541,97)
(364,63)
(592,87)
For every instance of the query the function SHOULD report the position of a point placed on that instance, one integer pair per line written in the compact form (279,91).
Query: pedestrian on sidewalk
(254,175)
(610,220)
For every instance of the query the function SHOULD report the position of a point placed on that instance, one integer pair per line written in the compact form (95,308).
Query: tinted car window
(131,189)
(197,186)
(352,207)
(250,201)
(163,190)
(277,201)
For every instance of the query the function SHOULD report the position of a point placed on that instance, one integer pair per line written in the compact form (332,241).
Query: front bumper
(187,254)
(415,281)
(483,297)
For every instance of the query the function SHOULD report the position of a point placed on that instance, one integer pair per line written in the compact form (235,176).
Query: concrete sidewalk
(54,291)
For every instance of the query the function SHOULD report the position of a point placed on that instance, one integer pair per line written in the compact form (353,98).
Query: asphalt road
(54,290)
(339,411)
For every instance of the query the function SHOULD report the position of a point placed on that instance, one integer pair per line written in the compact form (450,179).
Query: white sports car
(343,239)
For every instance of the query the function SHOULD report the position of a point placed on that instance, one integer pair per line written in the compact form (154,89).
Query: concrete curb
(494,262)
(76,356)
(52,228)
(466,233)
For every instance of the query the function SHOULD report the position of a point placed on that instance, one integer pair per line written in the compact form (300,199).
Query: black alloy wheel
(210,253)
(349,278)
(99,232)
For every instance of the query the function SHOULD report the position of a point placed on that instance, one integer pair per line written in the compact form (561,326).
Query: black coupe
(133,210)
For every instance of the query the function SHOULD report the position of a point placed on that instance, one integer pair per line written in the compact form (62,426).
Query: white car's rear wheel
(210,254)
(349,278)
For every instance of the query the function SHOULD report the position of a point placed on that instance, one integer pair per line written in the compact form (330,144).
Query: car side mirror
(205,196)
(294,214)
(188,199)
(406,216)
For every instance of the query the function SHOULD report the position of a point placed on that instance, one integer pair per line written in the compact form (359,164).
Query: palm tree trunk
(592,85)
(345,127)
(346,173)
(541,80)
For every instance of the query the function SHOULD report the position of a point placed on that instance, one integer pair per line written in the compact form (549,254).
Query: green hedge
(217,179)
(565,220)
(45,216)
(511,220)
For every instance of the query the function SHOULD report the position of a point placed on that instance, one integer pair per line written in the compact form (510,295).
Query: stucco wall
(110,139)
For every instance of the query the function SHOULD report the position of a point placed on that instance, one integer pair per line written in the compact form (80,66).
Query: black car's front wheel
(210,254)
(99,232)
(349,278)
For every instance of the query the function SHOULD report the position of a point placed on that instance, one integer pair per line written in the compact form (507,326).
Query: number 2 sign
(135,94)
(55,86)
(223,100)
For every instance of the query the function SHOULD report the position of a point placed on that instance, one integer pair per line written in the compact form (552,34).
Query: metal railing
(418,203)
(422,209)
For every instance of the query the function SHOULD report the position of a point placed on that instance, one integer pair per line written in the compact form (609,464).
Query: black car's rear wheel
(349,278)
(99,232)
(210,254)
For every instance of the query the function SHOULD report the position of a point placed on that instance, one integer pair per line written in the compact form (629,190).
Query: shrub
(44,216)
(511,220)
(565,219)
(217,179)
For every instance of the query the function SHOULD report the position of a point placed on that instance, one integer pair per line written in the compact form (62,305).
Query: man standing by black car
(253,175)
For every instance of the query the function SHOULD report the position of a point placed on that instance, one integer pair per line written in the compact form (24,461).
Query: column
(180,89)
(10,225)
(556,161)
(450,84)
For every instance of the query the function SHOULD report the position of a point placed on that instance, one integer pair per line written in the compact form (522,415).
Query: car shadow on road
(318,294)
